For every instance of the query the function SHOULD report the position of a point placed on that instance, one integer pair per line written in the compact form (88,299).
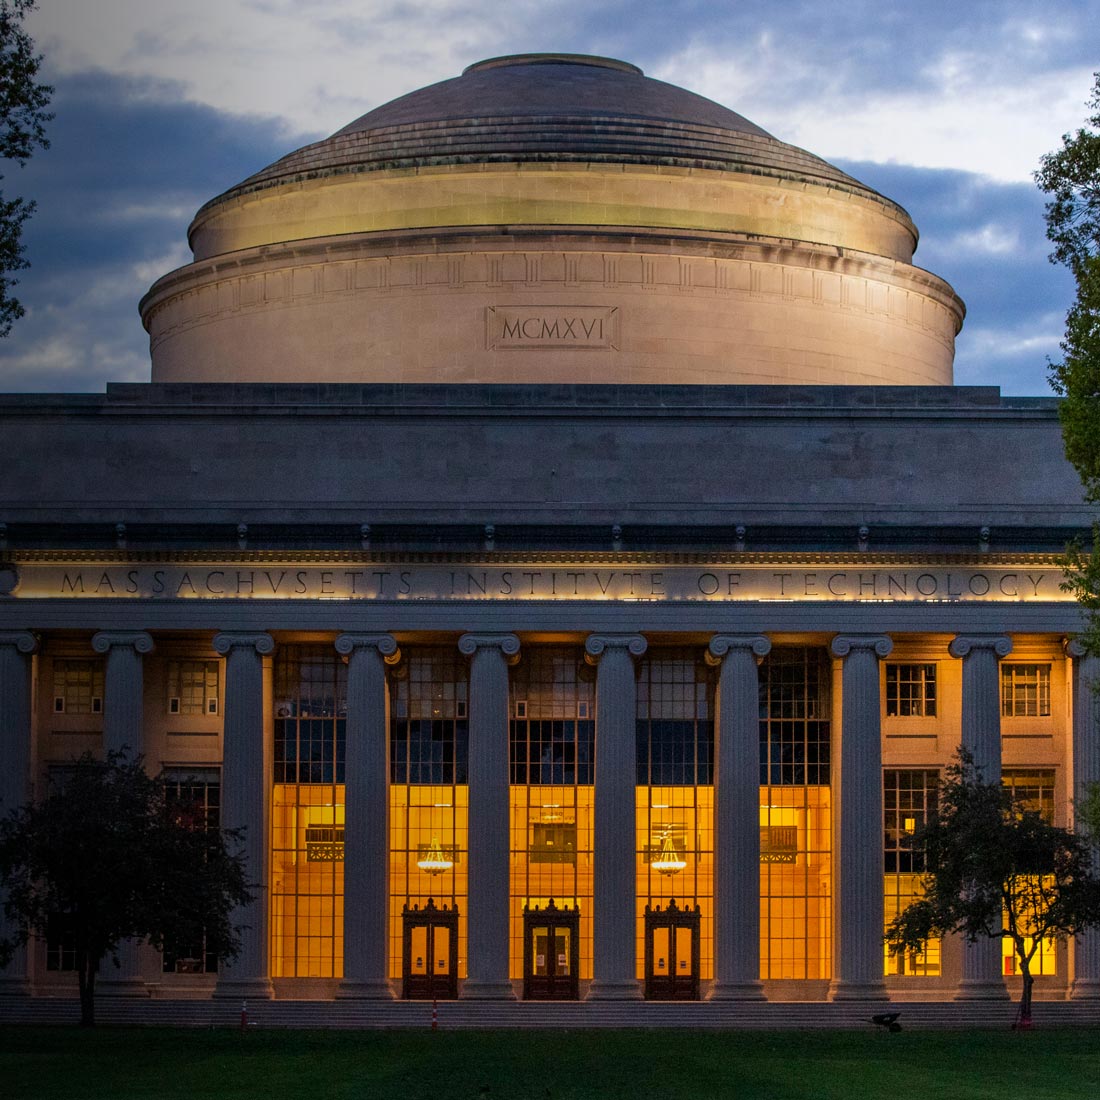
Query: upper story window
(553,726)
(1025,691)
(192,687)
(77,687)
(910,691)
(675,719)
(1032,788)
(795,706)
(429,725)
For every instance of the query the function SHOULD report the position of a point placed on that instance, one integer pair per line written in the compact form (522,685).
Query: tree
(994,867)
(23,118)
(1071,175)
(109,852)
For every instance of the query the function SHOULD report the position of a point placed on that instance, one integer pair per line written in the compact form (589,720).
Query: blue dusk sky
(943,106)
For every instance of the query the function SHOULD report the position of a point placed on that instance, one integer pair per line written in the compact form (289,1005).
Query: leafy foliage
(23,118)
(994,867)
(108,850)
(1071,176)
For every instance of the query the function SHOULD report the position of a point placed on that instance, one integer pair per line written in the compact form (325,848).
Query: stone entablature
(359,578)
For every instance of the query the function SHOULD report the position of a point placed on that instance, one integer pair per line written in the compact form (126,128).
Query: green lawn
(116,1064)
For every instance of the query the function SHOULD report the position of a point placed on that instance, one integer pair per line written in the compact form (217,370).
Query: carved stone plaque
(551,327)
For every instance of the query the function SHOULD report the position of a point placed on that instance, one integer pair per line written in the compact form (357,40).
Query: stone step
(453,1015)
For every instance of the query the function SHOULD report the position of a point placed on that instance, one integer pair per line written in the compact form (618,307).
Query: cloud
(987,239)
(129,164)
(985,86)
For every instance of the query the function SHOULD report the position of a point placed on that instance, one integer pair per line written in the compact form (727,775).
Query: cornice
(497,559)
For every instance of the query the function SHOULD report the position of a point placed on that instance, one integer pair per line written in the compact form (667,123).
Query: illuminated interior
(675,800)
(909,795)
(307,866)
(429,737)
(552,729)
(795,815)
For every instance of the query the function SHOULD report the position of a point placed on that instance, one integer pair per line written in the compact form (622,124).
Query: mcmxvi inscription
(551,327)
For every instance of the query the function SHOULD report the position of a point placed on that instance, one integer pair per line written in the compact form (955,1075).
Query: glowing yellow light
(434,862)
(668,861)
(910,825)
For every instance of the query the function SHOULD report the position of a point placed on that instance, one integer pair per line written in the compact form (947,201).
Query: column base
(981,989)
(1083,989)
(858,991)
(244,989)
(486,991)
(737,991)
(121,987)
(615,991)
(379,990)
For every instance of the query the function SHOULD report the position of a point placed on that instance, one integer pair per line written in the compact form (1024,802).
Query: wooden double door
(551,952)
(672,952)
(430,943)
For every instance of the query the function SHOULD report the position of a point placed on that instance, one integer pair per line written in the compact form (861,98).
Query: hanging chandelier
(433,861)
(668,861)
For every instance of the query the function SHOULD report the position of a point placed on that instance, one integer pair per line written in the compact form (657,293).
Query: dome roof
(545,108)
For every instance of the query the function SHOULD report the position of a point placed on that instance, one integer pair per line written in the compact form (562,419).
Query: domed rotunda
(552,218)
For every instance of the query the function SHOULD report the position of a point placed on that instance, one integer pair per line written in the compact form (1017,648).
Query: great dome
(552,218)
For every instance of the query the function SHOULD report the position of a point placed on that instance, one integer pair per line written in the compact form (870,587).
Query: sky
(946,107)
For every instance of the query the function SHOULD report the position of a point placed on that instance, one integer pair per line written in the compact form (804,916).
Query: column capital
(1074,647)
(721,644)
(595,645)
(138,640)
(386,644)
(508,644)
(23,640)
(262,643)
(843,644)
(962,644)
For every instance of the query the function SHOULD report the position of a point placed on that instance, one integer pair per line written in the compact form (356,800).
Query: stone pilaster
(615,834)
(488,816)
(366,816)
(123,723)
(246,796)
(16,650)
(1086,770)
(858,969)
(981,736)
(737,817)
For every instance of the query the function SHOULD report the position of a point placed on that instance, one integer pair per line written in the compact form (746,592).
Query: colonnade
(857,776)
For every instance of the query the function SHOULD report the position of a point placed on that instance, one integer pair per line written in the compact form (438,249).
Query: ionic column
(245,800)
(614,830)
(489,815)
(1086,770)
(366,816)
(16,649)
(123,722)
(737,817)
(858,969)
(981,736)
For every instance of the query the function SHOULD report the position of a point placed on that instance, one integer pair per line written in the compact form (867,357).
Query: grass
(118,1064)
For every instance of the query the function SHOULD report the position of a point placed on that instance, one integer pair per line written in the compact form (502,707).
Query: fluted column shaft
(614,829)
(16,650)
(981,737)
(366,816)
(858,969)
(245,800)
(488,815)
(1086,770)
(123,722)
(737,817)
